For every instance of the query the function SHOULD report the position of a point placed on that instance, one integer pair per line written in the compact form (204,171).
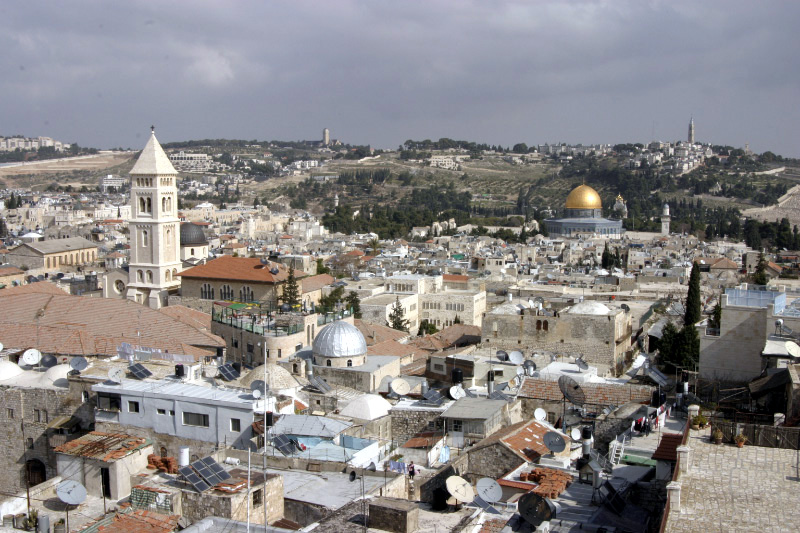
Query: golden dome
(584,197)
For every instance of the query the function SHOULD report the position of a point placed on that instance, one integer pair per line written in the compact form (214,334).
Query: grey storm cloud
(379,72)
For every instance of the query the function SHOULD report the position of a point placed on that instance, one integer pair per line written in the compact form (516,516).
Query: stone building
(584,216)
(469,420)
(53,255)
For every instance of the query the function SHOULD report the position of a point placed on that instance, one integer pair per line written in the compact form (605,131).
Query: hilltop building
(584,216)
(690,138)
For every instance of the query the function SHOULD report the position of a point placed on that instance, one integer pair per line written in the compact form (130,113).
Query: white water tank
(183,456)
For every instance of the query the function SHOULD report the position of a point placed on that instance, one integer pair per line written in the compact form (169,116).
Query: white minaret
(154,228)
(665,218)
(326,137)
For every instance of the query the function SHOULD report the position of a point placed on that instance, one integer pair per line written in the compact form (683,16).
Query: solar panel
(139,371)
(220,472)
(497,395)
(470,394)
(320,384)
(227,372)
(433,397)
(484,505)
(185,471)
(283,444)
(189,475)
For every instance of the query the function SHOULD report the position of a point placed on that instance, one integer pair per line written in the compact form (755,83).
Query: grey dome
(339,339)
(192,234)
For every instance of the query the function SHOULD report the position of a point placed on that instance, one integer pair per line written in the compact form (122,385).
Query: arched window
(149,276)
(207,292)
(225,292)
(163,452)
(145,238)
(349,362)
(545,325)
(328,362)
(538,325)
(141,205)
(246,294)
(191,252)
(149,205)
(167,275)
(174,274)
(140,275)
(164,204)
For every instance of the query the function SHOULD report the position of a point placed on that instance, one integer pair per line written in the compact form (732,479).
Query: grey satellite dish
(49,361)
(116,375)
(502,355)
(257,385)
(71,492)
(535,509)
(575,434)
(489,490)
(31,357)
(540,414)
(256,393)
(400,386)
(264,261)
(457,392)
(582,365)
(553,358)
(530,367)
(516,357)
(520,371)
(78,364)
(460,489)
(554,442)
(571,390)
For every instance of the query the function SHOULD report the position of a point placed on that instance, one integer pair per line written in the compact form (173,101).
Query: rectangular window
(258,498)
(133,407)
(172,413)
(235,343)
(44,416)
(161,411)
(30,443)
(249,348)
(37,415)
(236,425)
(10,413)
(195,419)
(457,425)
(108,402)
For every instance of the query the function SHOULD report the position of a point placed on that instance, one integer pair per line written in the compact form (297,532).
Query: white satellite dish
(456,392)
(793,349)
(32,357)
(460,489)
(1,346)
(540,414)
(489,490)
(211,371)
(520,371)
(78,363)
(575,434)
(400,386)
(71,492)
(256,394)
(116,375)
(516,357)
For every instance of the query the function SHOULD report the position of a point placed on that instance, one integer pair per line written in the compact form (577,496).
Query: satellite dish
(264,261)
(1,346)
(256,394)
(400,386)
(460,489)
(520,371)
(31,357)
(571,390)
(535,509)
(553,358)
(582,365)
(49,361)
(792,348)
(116,375)
(457,392)
(530,367)
(575,434)
(516,357)
(353,475)
(257,385)
(71,492)
(489,490)
(212,371)
(78,364)
(502,355)
(554,442)
(540,414)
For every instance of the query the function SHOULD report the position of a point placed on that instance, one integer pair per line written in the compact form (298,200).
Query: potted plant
(716,436)
(740,439)
(699,421)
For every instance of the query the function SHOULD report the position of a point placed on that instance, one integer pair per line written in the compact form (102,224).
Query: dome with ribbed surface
(367,407)
(584,197)
(339,339)
(192,234)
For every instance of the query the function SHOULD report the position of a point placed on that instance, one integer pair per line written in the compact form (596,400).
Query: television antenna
(535,509)
(540,414)
(460,489)
(400,386)
(516,357)
(456,392)
(78,364)
(31,357)
(489,490)
(572,392)
(116,375)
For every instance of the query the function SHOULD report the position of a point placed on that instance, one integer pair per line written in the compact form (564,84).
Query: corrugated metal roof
(172,389)
(309,425)
(474,409)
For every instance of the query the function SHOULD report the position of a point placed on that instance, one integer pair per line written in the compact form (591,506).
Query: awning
(64,422)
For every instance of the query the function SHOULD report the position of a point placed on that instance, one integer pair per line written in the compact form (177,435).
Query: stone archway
(35,471)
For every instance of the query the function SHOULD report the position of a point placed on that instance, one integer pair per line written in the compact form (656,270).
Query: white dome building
(9,370)
(367,407)
(56,376)
(339,345)
(589,307)
(278,379)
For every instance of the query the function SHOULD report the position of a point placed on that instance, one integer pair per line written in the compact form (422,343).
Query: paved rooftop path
(737,489)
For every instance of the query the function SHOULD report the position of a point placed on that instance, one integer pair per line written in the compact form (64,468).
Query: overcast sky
(99,73)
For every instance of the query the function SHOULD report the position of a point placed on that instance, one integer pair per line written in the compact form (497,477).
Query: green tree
(668,345)
(693,304)
(330,300)
(321,268)
(397,317)
(457,320)
(760,275)
(291,290)
(426,328)
(607,258)
(520,148)
(354,302)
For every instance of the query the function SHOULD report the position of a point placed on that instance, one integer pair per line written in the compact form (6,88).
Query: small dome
(367,407)
(584,197)
(9,370)
(278,378)
(589,308)
(192,234)
(339,339)
(56,375)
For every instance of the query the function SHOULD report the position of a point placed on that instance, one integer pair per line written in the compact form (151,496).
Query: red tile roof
(315,283)
(515,484)
(141,521)
(240,269)
(523,438)
(455,277)
(375,333)
(392,347)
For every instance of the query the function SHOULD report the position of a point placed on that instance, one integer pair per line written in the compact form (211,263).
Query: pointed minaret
(691,130)
(154,228)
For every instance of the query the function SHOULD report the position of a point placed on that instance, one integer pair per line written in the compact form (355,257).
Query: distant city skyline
(379,73)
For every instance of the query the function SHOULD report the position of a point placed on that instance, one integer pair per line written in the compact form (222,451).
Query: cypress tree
(354,302)
(291,291)
(397,318)
(693,309)
(760,275)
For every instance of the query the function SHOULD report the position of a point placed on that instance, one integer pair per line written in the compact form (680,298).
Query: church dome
(339,339)
(192,234)
(584,197)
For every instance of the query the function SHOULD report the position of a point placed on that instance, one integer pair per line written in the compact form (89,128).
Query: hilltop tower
(154,228)
(691,131)
(326,137)
(665,219)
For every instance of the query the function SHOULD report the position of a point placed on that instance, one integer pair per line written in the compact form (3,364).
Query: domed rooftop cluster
(367,407)
(192,234)
(339,339)
(584,197)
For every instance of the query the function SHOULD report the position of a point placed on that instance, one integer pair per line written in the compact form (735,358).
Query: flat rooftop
(170,390)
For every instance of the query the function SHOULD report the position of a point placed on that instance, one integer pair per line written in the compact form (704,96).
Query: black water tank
(586,433)
(220,351)
(237,367)
(659,397)
(268,420)
(457,375)
(490,375)
(179,372)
